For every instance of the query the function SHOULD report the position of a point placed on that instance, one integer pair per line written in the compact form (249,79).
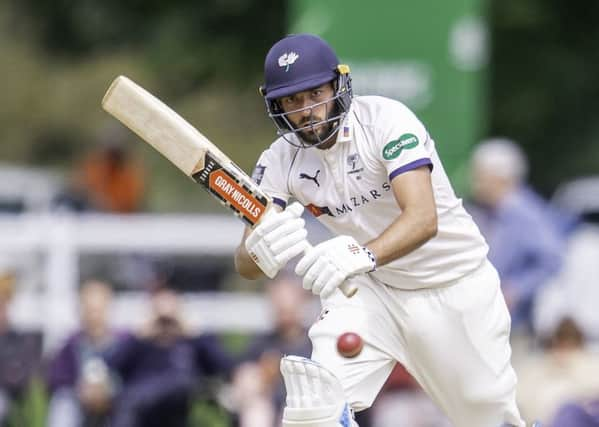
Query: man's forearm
(407,233)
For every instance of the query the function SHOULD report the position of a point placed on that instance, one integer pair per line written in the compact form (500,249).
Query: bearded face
(309,113)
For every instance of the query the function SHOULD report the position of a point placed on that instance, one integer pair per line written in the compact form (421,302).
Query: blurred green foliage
(204,58)
(205,414)
(188,43)
(31,409)
(544,90)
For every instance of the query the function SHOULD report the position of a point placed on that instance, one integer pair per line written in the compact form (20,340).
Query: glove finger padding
(285,242)
(292,251)
(285,229)
(306,262)
(318,268)
(278,238)
(328,264)
(323,278)
(274,219)
(333,283)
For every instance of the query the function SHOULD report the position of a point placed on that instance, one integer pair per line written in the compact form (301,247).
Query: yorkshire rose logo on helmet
(287,59)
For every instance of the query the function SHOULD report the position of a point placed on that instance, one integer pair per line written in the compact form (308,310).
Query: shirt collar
(346,129)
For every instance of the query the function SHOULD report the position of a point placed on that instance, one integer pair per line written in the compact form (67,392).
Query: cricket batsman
(427,297)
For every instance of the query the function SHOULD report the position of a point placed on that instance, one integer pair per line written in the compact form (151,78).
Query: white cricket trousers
(454,341)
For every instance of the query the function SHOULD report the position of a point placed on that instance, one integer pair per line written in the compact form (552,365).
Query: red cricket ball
(349,344)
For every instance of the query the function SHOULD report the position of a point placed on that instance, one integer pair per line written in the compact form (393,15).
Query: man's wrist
(372,257)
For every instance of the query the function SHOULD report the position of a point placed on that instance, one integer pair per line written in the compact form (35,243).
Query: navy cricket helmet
(301,62)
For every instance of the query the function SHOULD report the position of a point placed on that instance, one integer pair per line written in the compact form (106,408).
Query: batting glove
(278,238)
(327,265)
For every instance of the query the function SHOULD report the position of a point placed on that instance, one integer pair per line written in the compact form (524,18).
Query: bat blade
(188,149)
(194,154)
(156,123)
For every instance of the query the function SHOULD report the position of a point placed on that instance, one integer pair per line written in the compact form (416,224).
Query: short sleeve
(269,175)
(403,142)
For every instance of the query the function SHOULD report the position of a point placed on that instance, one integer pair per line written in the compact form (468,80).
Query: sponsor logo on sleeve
(394,148)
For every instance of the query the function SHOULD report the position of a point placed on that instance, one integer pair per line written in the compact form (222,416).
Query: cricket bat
(194,154)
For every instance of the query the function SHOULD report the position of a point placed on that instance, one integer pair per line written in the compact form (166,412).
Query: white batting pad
(315,397)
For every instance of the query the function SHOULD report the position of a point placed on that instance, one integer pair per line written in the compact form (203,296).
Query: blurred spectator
(567,372)
(524,244)
(79,381)
(27,189)
(159,368)
(258,385)
(577,415)
(579,199)
(574,292)
(108,179)
(403,403)
(20,352)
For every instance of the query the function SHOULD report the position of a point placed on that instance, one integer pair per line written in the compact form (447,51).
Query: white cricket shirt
(347,188)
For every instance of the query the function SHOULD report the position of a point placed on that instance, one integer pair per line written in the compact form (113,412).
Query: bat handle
(348,289)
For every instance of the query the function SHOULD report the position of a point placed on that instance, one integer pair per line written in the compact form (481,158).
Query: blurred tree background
(204,58)
(544,90)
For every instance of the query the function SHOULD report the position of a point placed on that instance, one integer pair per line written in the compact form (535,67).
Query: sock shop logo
(236,195)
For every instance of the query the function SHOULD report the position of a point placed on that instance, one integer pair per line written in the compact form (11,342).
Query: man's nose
(306,111)
(307,107)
